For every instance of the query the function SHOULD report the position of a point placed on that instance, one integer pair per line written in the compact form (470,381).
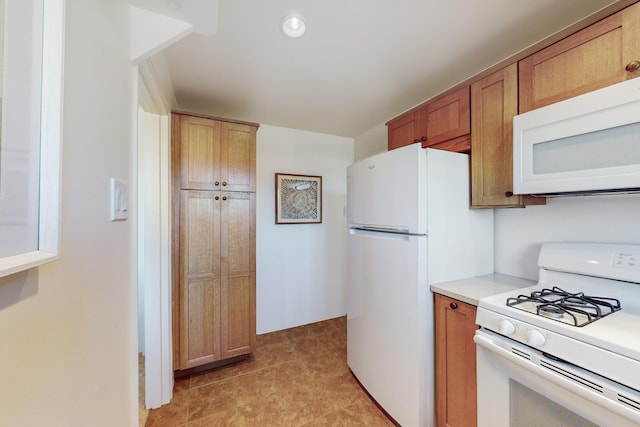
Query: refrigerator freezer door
(388,304)
(389,190)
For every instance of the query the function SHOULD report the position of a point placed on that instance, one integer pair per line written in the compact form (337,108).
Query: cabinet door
(405,130)
(238,157)
(455,364)
(199,153)
(448,119)
(238,318)
(493,104)
(200,278)
(600,55)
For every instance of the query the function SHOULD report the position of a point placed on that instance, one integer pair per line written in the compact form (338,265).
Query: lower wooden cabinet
(455,363)
(216,295)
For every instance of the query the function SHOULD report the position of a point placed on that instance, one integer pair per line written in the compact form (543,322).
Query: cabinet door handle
(453,305)
(508,193)
(224,197)
(216,198)
(216,183)
(423,139)
(224,183)
(416,141)
(632,66)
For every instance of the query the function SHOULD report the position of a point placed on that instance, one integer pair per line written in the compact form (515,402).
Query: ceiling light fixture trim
(293,25)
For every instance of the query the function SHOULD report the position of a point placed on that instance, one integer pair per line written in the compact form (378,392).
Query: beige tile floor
(296,377)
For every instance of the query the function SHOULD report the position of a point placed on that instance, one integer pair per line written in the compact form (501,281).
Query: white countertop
(474,288)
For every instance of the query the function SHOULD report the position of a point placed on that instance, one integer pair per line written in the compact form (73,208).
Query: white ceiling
(360,63)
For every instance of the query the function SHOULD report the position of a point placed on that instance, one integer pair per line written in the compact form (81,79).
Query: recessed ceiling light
(293,26)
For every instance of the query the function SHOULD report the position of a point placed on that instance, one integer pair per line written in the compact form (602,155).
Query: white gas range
(566,351)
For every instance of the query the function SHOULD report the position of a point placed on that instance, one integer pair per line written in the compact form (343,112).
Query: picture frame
(43,158)
(298,199)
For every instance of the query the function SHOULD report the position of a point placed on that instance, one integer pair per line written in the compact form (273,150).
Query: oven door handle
(488,342)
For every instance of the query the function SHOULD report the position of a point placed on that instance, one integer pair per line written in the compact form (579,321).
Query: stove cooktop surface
(596,324)
(586,291)
(571,308)
(618,331)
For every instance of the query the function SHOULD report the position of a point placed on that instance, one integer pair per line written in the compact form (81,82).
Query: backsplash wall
(520,232)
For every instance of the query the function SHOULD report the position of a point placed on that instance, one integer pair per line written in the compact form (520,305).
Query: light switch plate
(119,200)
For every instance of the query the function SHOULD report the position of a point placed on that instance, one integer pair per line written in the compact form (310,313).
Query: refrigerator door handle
(397,230)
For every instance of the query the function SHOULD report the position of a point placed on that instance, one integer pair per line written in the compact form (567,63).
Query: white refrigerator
(409,226)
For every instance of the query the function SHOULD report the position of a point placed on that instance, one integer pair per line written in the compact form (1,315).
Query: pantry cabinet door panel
(238,324)
(199,337)
(200,153)
(199,278)
(238,272)
(238,157)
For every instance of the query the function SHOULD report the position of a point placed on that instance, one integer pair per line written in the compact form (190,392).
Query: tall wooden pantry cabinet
(213,261)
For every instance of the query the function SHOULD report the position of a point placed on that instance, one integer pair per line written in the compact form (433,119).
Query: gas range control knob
(534,338)
(505,327)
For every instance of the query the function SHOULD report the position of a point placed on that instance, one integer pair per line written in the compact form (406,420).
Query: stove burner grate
(576,309)
(551,310)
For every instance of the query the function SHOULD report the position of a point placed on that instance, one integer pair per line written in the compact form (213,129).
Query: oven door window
(531,409)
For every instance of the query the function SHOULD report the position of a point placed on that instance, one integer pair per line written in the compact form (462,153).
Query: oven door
(520,387)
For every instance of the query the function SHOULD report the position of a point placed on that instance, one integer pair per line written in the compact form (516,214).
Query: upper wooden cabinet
(215,154)
(443,123)
(405,130)
(494,102)
(448,122)
(600,55)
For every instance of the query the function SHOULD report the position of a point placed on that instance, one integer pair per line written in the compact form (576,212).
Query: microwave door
(589,143)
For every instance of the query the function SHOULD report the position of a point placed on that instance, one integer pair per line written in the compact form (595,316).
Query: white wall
(68,329)
(371,142)
(519,232)
(301,269)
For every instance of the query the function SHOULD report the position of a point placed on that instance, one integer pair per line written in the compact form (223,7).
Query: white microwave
(586,144)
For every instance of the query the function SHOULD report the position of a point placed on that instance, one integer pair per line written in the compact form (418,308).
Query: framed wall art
(298,199)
